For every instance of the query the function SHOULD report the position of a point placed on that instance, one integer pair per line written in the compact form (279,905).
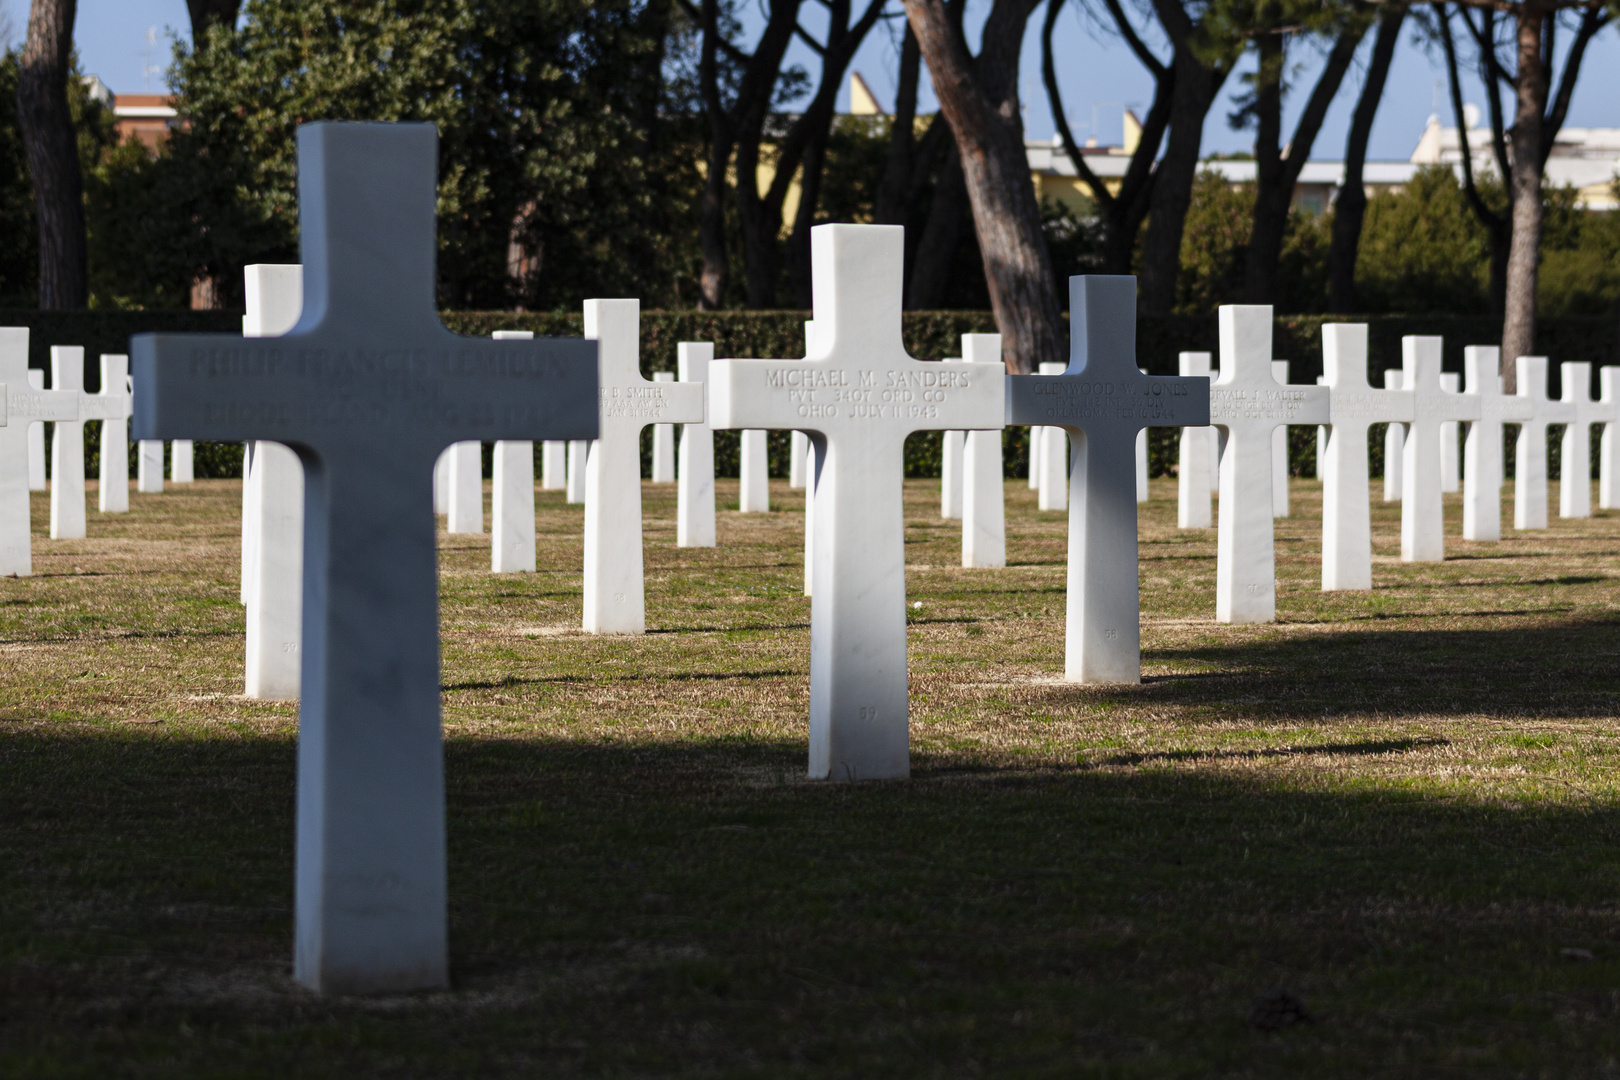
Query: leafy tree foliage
(1423,250)
(1214,250)
(562,173)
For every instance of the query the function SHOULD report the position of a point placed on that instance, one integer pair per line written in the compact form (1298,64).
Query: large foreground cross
(1102,401)
(367,388)
(857,395)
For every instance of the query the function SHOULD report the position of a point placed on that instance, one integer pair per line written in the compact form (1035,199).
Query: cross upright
(1530,452)
(857,395)
(615,588)
(367,389)
(1355,405)
(1101,402)
(1609,441)
(1575,450)
(1247,404)
(1423,537)
(1482,448)
(25,406)
(112,405)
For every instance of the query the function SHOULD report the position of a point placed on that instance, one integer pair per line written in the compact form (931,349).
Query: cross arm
(312,387)
(24,402)
(657,402)
(1074,400)
(1366,405)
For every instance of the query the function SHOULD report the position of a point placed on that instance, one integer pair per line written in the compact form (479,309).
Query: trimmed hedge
(929,335)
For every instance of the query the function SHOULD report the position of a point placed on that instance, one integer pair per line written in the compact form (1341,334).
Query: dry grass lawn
(1400,806)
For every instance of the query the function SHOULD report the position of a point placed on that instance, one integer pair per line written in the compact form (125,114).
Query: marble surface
(370,882)
(1530,452)
(1451,440)
(615,593)
(36,434)
(858,395)
(1249,405)
(67,447)
(511,504)
(27,409)
(1279,452)
(1483,451)
(113,404)
(274,563)
(1609,441)
(1394,439)
(149,466)
(663,442)
(694,492)
(1346,497)
(553,465)
(984,492)
(753,482)
(1423,537)
(1101,401)
(1052,447)
(1575,448)
(1197,468)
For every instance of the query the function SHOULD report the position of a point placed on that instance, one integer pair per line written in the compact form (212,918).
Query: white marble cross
(112,406)
(553,465)
(511,513)
(578,452)
(273,513)
(1482,454)
(1052,493)
(275,297)
(1575,450)
(798,455)
(25,406)
(1394,438)
(1142,466)
(858,395)
(1609,443)
(36,437)
(464,493)
(67,447)
(1530,453)
(1279,452)
(1249,405)
(984,510)
(1197,468)
(663,442)
(754,477)
(615,590)
(694,493)
(149,466)
(1101,402)
(1353,407)
(369,387)
(950,467)
(1450,444)
(182,461)
(1423,522)
(1321,440)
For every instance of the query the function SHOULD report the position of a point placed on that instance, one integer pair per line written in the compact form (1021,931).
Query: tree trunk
(1350,209)
(1277,174)
(931,272)
(892,208)
(980,100)
(713,280)
(1519,318)
(206,13)
(798,250)
(53,154)
(1195,89)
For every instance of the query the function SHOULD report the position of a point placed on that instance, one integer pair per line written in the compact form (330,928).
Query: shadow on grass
(1566,668)
(693,908)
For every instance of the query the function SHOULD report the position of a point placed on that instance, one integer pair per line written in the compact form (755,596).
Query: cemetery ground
(1402,807)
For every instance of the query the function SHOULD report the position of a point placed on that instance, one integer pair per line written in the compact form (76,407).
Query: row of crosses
(368,387)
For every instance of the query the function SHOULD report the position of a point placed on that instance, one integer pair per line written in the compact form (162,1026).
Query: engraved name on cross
(1101,402)
(857,395)
(367,388)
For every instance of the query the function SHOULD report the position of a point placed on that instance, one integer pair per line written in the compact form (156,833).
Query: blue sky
(1098,73)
